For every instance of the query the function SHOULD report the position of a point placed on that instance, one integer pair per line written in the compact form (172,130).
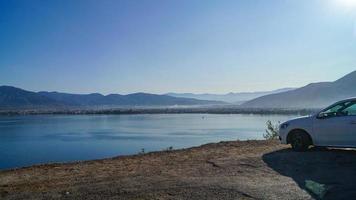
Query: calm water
(28,140)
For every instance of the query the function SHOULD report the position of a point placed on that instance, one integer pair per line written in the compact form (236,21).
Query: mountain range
(12,97)
(314,95)
(235,98)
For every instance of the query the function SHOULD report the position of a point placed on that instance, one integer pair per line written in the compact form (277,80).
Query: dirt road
(225,170)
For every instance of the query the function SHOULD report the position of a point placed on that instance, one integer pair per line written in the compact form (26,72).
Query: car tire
(300,141)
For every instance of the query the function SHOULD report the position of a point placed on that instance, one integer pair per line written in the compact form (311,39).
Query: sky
(159,46)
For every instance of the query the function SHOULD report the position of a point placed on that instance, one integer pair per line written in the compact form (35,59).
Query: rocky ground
(225,170)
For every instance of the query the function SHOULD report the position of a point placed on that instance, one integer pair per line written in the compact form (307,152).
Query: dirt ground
(225,170)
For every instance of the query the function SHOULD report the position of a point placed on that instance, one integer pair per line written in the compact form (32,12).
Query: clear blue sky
(160,46)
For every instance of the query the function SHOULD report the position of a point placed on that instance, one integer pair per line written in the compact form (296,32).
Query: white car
(335,126)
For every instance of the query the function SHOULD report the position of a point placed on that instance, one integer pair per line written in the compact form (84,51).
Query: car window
(350,110)
(339,110)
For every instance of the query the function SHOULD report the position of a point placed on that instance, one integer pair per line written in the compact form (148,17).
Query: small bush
(168,149)
(142,151)
(271,131)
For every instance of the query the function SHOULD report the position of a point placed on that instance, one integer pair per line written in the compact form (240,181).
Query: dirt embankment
(225,170)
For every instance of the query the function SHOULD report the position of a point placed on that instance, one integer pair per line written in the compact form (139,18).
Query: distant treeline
(124,111)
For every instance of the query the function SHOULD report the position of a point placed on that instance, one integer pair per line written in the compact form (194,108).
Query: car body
(334,126)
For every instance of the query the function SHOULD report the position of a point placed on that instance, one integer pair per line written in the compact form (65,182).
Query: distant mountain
(11,97)
(314,95)
(136,99)
(229,97)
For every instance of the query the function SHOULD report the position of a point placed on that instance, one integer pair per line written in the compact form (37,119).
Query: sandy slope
(225,170)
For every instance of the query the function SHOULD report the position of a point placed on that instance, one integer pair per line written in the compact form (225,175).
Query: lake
(36,139)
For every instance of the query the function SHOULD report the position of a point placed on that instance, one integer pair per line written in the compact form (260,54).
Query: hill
(15,97)
(314,95)
(12,97)
(231,97)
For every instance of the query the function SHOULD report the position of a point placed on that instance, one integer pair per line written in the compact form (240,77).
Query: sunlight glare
(347,3)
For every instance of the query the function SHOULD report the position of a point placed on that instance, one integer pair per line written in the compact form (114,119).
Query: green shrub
(271,131)
(168,149)
(142,151)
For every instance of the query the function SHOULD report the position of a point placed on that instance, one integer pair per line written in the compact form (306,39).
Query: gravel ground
(225,170)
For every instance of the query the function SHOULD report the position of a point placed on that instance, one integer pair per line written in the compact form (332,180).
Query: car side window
(350,110)
(339,110)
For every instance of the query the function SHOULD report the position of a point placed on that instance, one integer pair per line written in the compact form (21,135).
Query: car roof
(348,99)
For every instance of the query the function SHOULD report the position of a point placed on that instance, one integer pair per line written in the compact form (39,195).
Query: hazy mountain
(314,95)
(229,97)
(77,99)
(136,99)
(15,97)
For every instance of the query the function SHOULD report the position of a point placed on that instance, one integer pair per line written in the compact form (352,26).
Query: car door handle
(353,122)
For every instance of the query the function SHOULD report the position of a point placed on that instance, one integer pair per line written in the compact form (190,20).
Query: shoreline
(132,111)
(168,150)
(255,169)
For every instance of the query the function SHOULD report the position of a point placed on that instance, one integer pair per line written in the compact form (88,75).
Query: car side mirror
(322,115)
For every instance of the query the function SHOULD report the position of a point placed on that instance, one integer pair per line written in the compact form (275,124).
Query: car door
(330,131)
(350,126)
(336,126)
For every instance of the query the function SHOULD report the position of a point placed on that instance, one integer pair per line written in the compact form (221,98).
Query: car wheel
(300,141)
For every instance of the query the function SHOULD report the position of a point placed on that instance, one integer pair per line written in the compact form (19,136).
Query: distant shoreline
(130,111)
